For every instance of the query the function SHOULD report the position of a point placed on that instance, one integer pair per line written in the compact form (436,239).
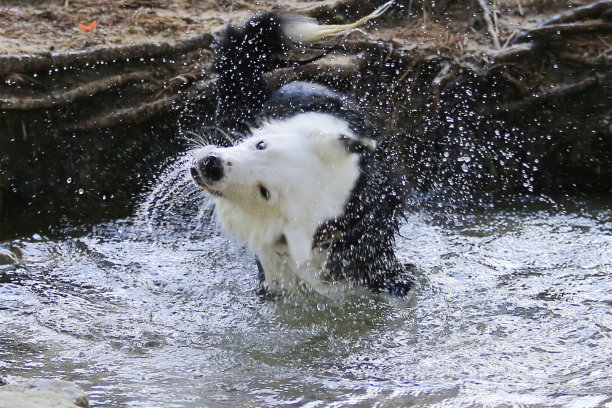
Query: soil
(33,27)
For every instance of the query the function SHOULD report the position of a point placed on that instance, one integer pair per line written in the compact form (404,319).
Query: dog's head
(283,181)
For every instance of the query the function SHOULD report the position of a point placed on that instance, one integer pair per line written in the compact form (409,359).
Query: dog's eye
(260,145)
(265,193)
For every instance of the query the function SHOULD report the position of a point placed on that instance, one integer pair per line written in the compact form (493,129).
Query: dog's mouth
(197,178)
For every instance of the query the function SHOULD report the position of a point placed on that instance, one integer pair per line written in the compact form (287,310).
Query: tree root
(514,53)
(66,97)
(566,23)
(131,115)
(580,13)
(321,70)
(555,94)
(563,29)
(486,12)
(591,62)
(45,62)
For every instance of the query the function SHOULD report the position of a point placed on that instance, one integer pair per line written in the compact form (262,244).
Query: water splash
(512,308)
(174,201)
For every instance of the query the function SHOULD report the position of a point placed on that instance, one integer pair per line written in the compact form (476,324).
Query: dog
(311,186)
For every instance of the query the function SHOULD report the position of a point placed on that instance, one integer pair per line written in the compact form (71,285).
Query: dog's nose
(211,168)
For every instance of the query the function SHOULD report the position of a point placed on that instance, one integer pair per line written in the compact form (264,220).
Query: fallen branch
(63,98)
(580,13)
(44,62)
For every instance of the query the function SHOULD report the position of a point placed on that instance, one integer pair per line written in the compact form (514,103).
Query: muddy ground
(33,27)
(30,27)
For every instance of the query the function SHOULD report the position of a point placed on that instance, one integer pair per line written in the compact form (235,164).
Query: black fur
(365,253)
(242,56)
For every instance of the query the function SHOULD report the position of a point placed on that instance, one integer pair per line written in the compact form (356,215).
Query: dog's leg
(260,272)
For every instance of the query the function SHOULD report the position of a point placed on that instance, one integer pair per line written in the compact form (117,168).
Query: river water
(160,309)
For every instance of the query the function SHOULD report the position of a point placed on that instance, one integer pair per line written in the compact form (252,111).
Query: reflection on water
(511,308)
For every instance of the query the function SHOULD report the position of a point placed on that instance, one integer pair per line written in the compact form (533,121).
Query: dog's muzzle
(208,169)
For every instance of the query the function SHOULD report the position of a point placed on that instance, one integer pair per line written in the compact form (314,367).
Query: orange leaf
(88,27)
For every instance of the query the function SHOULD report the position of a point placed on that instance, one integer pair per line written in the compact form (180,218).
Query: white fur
(309,175)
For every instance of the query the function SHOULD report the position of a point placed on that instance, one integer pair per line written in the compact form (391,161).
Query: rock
(43,393)
(7,257)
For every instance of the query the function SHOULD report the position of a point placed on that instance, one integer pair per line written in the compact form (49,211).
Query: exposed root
(45,62)
(55,99)
(393,50)
(563,29)
(588,12)
(515,53)
(585,60)
(135,114)
(487,15)
(555,94)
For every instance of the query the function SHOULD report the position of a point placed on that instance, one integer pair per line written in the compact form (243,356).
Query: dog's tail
(244,53)
(309,31)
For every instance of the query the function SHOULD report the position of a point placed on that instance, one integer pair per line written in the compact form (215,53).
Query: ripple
(157,310)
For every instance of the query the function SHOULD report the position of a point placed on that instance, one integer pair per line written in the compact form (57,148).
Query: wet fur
(321,168)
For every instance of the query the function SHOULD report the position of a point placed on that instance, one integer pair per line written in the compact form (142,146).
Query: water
(160,309)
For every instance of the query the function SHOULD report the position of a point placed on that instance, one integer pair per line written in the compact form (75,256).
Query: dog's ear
(300,245)
(361,145)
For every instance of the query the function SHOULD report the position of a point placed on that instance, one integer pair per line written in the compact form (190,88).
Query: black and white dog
(311,188)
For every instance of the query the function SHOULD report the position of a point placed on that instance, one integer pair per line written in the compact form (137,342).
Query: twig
(486,13)
(63,98)
(509,39)
(406,72)
(520,7)
(516,83)
(437,82)
(442,75)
